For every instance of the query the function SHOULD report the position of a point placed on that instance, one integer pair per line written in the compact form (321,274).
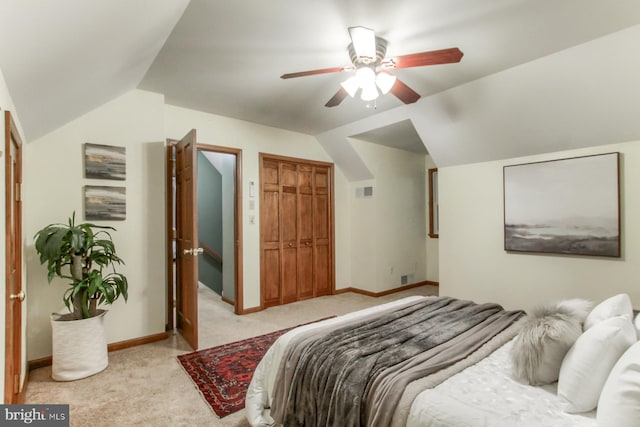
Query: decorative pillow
(619,404)
(579,308)
(544,339)
(617,305)
(586,366)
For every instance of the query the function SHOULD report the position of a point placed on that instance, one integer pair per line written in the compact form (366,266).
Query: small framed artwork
(567,206)
(104,162)
(105,203)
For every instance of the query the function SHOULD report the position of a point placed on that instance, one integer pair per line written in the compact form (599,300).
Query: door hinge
(18,191)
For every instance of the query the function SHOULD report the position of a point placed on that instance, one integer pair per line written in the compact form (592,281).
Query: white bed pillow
(588,363)
(543,340)
(619,404)
(617,305)
(637,325)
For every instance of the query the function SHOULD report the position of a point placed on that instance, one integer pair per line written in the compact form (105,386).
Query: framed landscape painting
(105,161)
(568,206)
(105,203)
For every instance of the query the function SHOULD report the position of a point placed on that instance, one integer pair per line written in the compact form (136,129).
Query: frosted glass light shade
(351,85)
(385,81)
(366,76)
(369,92)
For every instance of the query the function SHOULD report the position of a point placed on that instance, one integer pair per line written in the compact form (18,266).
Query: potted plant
(84,255)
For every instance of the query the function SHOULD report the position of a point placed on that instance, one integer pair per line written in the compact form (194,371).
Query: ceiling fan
(367,53)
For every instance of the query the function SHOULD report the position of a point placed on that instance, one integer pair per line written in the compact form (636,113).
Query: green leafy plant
(89,253)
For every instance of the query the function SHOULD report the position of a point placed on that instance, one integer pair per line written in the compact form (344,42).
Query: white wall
(253,139)
(389,229)
(54,182)
(474,265)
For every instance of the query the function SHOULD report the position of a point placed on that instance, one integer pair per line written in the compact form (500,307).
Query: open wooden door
(14,292)
(187,239)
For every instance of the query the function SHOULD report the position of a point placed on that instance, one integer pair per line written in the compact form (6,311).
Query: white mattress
(486,395)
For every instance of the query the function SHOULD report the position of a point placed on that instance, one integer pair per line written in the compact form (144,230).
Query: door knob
(197,251)
(187,251)
(19,296)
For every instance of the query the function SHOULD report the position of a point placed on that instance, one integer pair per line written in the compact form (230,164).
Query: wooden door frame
(330,166)
(170,200)
(13,349)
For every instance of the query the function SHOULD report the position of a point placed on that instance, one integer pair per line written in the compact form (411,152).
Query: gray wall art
(567,206)
(105,203)
(104,161)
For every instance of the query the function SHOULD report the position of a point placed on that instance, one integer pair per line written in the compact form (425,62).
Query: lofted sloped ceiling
(63,58)
(60,59)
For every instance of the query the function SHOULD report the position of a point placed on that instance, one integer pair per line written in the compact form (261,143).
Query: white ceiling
(63,58)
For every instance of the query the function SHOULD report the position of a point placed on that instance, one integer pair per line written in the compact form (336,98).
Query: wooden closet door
(322,230)
(270,233)
(306,235)
(296,231)
(289,231)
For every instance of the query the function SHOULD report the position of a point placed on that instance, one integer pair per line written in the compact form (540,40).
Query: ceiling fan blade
(404,93)
(340,95)
(364,42)
(434,57)
(313,72)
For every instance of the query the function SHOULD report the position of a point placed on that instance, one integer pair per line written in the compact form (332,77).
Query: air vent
(404,279)
(364,192)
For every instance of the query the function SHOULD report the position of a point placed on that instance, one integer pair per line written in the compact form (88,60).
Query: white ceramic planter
(79,346)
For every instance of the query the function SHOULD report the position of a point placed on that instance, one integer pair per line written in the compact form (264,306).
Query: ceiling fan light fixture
(351,85)
(385,81)
(366,76)
(369,92)
(364,43)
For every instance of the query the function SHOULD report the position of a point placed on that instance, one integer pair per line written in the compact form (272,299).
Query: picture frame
(105,203)
(105,162)
(566,206)
(434,218)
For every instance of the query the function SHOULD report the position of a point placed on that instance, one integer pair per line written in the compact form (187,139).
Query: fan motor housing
(381,50)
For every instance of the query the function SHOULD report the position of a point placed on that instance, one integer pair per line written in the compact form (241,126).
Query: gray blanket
(354,375)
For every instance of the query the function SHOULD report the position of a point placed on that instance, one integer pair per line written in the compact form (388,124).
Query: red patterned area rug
(223,373)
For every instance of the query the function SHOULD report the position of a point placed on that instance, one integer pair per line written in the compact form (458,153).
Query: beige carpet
(145,385)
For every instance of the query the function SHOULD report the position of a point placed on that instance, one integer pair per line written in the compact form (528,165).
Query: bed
(469,383)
